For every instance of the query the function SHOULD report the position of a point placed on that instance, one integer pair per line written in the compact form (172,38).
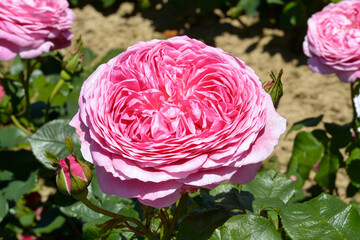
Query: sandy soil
(306,94)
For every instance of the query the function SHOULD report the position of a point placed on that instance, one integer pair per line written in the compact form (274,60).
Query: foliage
(41,97)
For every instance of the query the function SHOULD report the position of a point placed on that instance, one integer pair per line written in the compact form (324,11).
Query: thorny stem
(176,217)
(122,218)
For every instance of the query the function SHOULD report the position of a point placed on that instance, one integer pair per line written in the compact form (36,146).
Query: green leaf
(11,137)
(4,207)
(107,3)
(354,155)
(280,2)
(292,13)
(51,137)
(271,184)
(328,167)
(309,122)
(56,223)
(6,175)
(237,201)
(353,170)
(341,135)
(80,211)
(201,224)
(307,152)
(235,11)
(250,6)
(246,227)
(324,217)
(27,217)
(356,205)
(144,4)
(15,189)
(17,66)
(261,204)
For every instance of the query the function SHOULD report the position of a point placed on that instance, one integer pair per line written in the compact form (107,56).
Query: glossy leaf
(306,153)
(308,122)
(246,227)
(51,137)
(4,207)
(15,189)
(328,167)
(341,135)
(324,217)
(353,167)
(353,170)
(271,184)
(12,137)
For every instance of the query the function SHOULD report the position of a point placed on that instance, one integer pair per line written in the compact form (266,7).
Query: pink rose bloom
(333,40)
(170,116)
(33,27)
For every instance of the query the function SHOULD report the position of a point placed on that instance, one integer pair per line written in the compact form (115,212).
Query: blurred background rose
(31,28)
(333,40)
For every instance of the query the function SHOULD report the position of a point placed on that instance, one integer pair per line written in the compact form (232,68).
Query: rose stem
(18,124)
(25,83)
(176,217)
(52,96)
(95,208)
(355,123)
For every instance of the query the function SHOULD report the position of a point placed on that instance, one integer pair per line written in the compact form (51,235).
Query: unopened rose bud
(73,63)
(73,177)
(275,88)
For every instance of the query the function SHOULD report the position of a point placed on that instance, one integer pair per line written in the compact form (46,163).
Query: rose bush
(169,116)
(32,27)
(333,40)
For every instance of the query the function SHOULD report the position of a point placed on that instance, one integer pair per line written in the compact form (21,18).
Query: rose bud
(73,63)
(73,176)
(275,88)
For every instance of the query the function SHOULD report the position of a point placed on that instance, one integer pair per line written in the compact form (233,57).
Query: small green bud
(74,62)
